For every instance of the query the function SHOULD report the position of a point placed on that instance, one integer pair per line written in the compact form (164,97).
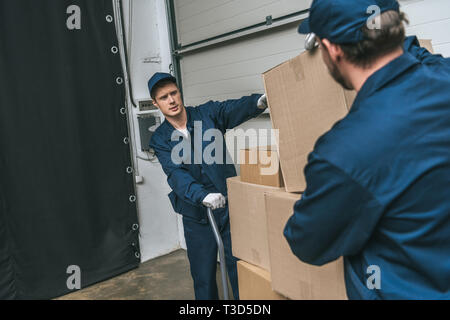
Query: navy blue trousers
(202,253)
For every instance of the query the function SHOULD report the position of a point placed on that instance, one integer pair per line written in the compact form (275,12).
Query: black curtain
(66,196)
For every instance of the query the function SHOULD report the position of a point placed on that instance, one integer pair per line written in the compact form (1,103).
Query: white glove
(214,201)
(262,102)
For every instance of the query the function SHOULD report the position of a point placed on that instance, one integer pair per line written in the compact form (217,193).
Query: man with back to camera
(378,182)
(195,184)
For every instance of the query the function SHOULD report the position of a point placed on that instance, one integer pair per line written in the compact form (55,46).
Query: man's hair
(377,42)
(159,85)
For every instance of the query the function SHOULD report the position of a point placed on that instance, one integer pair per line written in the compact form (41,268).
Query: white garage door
(203,19)
(430,19)
(233,68)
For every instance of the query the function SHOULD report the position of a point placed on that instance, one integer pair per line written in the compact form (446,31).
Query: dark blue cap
(158,77)
(341,21)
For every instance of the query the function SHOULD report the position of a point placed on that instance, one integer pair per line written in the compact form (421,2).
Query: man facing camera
(197,182)
(378,182)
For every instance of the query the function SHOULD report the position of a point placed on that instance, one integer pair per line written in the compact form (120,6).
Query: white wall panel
(234,69)
(430,19)
(202,19)
(432,31)
(443,49)
(423,11)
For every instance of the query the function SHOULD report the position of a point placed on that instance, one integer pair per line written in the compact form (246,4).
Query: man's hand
(214,201)
(262,102)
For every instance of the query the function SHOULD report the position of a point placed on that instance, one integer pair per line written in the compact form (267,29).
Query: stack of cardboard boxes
(305,102)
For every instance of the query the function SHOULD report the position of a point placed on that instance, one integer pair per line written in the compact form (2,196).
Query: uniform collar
(386,74)
(169,128)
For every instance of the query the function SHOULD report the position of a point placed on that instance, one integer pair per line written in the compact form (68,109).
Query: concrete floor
(164,278)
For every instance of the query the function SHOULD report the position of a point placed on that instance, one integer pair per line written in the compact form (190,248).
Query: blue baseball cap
(341,21)
(158,77)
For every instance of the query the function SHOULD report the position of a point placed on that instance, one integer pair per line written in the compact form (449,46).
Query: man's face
(168,100)
(334,69)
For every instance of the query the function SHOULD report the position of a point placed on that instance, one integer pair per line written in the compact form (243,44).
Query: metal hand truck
(223,267)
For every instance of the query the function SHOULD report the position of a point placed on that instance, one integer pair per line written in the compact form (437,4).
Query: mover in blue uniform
(197,183)
(378,183)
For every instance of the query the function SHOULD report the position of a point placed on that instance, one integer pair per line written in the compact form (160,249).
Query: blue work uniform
(378,185)
(193,179)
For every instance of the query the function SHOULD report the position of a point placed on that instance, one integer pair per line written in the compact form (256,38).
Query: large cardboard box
(304,102)
(255,283)
(261,166)
(248,222)
(427,45)
(290,276)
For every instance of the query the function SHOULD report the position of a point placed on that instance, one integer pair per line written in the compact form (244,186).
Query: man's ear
(155,103)
(335,52)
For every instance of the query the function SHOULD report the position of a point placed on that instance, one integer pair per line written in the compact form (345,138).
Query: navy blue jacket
(192,182)
(378,184)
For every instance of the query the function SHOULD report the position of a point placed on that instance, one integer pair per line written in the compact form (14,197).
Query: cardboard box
(305,102)
(261,166)
(255,283)
(426,44)
(248,222)
(290,276)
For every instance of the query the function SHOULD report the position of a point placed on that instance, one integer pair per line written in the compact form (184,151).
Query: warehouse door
(225,45)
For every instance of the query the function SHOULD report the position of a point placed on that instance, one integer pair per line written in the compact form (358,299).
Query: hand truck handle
(223,268)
